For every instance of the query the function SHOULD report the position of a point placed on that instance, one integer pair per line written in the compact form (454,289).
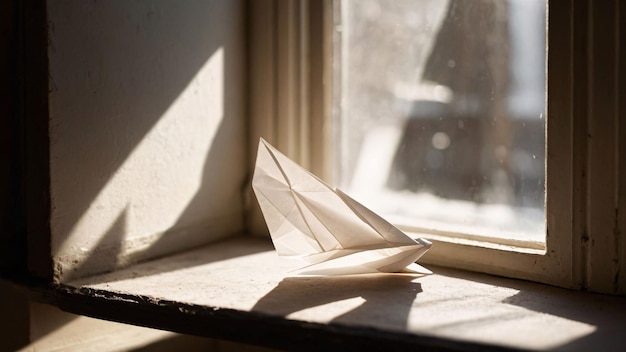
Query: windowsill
(237,290)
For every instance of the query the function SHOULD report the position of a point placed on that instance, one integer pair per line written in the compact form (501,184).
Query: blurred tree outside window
(440,112)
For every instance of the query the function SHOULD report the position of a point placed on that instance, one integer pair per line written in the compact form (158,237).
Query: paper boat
(333,233)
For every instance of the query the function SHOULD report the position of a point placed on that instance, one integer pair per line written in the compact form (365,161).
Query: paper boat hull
(325,227)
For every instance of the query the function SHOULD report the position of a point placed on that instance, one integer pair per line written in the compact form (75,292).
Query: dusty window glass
(439,113)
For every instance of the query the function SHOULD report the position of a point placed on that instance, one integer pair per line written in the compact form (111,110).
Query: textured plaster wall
(147,138)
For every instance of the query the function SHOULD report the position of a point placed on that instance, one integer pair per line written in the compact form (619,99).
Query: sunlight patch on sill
(486,328)
(329,311)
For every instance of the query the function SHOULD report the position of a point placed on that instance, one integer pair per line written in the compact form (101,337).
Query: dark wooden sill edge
(240,326)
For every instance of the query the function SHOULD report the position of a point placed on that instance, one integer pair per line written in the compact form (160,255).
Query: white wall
(147,136)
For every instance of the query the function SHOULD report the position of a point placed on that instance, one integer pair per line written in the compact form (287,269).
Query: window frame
(583,56)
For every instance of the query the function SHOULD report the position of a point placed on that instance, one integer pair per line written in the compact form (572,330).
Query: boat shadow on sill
(384,299)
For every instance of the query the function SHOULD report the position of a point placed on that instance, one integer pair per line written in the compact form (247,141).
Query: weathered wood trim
(603,260)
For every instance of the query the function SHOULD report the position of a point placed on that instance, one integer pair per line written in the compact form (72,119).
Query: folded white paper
(331,232)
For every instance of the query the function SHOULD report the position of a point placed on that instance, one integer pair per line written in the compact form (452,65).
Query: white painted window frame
(290,105)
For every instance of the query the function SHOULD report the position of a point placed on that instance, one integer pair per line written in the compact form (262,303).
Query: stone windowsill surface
(239,289)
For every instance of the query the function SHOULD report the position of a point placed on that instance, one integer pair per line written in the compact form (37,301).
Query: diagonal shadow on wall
(116,68)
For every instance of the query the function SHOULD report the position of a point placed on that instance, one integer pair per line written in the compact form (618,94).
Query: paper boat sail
(333,233)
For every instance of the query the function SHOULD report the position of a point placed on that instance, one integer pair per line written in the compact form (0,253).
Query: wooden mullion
(602,191)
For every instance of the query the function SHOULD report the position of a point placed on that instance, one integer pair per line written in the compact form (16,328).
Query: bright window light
(440,113)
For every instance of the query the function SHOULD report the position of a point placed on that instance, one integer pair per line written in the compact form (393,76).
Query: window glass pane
(440,112)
